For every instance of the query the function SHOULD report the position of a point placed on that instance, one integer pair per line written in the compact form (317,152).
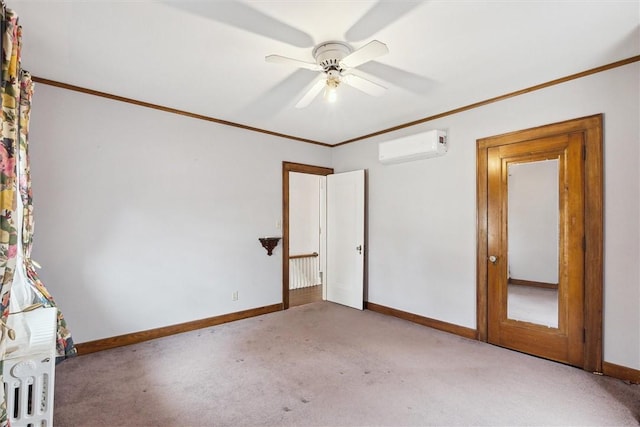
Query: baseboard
(136,337)
(425,321)
(621,372)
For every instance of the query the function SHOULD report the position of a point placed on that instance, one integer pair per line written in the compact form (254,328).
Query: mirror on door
(533,242)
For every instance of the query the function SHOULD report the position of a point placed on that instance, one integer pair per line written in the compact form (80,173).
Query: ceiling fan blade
(315,89)
(409,81)
(279,96)
(363,84)
(382,14)
(366,53)
(245,17)
(277,59)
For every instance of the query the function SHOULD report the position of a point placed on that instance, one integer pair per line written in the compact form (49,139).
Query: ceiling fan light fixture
(331,88)
(331,93)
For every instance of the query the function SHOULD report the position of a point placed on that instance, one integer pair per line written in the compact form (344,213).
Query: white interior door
(345,239)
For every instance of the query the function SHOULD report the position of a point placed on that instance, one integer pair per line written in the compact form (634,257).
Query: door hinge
(584,335)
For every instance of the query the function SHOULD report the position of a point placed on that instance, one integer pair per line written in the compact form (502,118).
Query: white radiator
(29,368)
(304,271)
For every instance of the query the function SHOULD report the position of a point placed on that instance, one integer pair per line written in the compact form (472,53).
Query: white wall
(422,215)
(146,219)
(304,213)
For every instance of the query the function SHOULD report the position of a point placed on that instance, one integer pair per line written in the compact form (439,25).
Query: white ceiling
(207,57)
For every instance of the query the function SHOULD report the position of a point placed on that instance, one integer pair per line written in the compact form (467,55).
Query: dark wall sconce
(269,243)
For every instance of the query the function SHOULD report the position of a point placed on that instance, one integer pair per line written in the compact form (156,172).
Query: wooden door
(576,146)
(563,340)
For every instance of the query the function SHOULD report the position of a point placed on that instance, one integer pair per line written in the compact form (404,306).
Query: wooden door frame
(286,168)
(591,127)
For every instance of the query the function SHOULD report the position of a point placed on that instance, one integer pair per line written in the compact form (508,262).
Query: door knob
(359,249)
(493,259)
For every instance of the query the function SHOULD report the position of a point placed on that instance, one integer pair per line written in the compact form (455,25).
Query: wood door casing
(564,343)
(591,129)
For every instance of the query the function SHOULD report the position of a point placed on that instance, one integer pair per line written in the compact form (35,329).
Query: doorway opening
(509,284)
(306,250)
(342,248)
(303,284)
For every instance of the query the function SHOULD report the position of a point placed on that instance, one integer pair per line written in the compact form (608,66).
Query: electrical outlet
(234,296)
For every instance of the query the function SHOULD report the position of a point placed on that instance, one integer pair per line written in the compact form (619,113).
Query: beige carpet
(326,365)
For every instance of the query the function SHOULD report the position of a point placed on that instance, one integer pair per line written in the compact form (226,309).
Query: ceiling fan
(337,62)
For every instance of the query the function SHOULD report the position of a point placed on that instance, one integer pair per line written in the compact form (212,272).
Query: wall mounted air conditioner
(413,147)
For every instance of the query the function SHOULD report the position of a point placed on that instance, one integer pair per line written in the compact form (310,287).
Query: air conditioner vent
(414,147)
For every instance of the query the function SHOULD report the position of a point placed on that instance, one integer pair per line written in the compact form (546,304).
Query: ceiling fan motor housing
(329,54)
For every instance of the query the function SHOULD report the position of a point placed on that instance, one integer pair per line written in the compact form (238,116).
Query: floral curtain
(64,342)
(16,92)
(9,92)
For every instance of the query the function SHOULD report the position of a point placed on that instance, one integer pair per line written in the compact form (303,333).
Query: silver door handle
(359,249)
(493,259)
